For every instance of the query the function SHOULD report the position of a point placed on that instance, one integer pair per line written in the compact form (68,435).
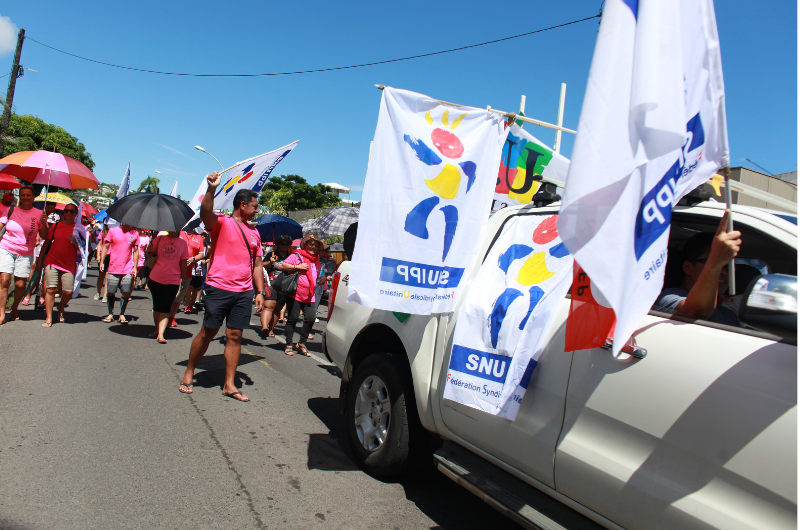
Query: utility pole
(12,83)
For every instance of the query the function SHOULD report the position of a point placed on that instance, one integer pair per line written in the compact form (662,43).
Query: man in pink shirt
(236,254)
(22,223)
(122,247)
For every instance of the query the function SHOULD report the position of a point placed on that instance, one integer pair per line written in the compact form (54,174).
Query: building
(783,188)
(342,191)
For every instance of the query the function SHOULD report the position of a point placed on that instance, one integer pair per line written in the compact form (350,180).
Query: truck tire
(383,425)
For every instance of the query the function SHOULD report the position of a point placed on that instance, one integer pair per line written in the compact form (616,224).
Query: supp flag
(652,128)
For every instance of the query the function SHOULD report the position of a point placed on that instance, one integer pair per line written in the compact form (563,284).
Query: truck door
(528,443)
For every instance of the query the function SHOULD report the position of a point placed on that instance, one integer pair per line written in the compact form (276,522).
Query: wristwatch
(262,293)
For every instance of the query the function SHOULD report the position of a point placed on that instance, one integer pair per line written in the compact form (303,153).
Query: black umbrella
(191,225)
(151,211)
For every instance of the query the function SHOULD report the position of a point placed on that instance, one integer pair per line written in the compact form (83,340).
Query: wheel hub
(372,413)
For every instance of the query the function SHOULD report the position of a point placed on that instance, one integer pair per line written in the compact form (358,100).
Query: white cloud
(173,150)
(8,35)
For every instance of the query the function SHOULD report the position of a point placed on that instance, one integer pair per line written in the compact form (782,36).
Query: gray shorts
(19,266)
(123,281)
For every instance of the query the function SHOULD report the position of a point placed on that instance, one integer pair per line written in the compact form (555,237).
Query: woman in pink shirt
(16,247)
(141,277)
(166,279)
(304,262)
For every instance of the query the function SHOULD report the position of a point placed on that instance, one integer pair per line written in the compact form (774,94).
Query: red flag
(589,323)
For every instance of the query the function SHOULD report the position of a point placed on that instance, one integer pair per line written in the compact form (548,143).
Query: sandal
(189,388)
(302,349)
(288,350)
(233,395)
(123,320)
(26,300)
(109,319)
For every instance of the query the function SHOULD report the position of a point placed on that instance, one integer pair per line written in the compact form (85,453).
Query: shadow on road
(142,330)
(329,452)
(213,371)
(443,501)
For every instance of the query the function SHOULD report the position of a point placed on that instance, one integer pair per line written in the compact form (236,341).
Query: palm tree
(150,185)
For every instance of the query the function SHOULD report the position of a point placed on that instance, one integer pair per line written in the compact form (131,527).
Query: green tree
(292,192)
(32,134)
(150,185)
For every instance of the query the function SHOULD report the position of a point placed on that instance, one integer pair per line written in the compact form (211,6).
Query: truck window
(759,254)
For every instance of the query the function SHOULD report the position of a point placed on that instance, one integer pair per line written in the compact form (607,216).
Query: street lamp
(160,173)
(209,154)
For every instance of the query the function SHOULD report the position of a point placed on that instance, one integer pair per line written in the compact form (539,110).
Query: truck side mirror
(770,304)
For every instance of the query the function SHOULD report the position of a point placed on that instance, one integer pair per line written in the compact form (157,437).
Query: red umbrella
(49,168)
(8,182)
(88,209)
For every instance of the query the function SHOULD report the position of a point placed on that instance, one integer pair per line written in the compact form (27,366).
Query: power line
(320,69)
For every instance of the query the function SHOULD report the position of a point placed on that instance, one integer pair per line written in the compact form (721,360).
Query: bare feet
(153,334)
(161,340)
(61,316)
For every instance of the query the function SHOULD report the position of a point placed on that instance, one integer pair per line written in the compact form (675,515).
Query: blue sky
(154,121)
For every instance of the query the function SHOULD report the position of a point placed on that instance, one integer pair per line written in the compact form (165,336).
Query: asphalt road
(94,434)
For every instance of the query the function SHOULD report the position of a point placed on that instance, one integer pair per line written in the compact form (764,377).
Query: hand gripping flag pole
(726,172)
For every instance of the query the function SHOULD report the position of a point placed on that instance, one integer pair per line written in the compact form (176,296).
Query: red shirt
(63,255)
(231,264)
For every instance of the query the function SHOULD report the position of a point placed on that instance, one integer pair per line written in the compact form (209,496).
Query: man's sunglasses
(70,211)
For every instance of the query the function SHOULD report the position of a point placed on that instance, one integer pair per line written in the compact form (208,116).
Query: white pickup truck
(696,429)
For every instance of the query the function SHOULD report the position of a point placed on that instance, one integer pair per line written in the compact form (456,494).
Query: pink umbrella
(49,168)
(8,182)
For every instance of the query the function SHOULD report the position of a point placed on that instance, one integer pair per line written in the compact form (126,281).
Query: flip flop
(26,300)
(189,388)
(47,324)
(233,395)
(109,319)
(123,320)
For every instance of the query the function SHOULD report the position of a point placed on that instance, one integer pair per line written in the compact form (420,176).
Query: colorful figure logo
(532,273)
(246,174)
(446,185)
(522,162)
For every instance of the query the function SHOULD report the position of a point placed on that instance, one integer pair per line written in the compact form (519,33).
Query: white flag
(125,185)
(524,157)
(425,204)
(250,174)
(504,323)
(82,257)
(652,128)
(174,191)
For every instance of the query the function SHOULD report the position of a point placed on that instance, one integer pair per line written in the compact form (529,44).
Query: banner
(251,174)
(505,320)
(174,192)
(591,321)
(652,128)
(524,157)
(425,202)
(82,238)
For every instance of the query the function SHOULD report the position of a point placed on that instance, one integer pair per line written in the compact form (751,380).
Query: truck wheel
(383,425)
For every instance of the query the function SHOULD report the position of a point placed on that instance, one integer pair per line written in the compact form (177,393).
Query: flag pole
(726,172)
